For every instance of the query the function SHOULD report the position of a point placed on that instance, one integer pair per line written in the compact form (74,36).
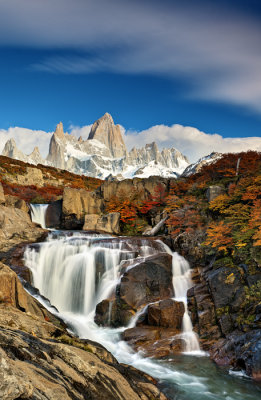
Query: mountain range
(104,154)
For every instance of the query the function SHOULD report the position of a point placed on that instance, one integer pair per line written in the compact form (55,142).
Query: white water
(38,212)
(78,271)
(181,283)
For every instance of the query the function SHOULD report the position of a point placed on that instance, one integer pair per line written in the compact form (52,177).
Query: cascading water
(38,212)
(181,283)
(76,271)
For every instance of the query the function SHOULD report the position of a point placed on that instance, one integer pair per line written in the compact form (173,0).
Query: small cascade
(38,212)
(181,283)
(79,271)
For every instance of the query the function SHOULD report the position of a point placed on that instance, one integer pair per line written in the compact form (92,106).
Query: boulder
(109,223)
(214,191)
(106,312)
(76,204)
(147,282)
(2,195)
(166,313)
(16,227)
(154,341)
(13,201)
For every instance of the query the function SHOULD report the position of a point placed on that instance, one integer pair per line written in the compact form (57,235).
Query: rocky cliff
(103,154)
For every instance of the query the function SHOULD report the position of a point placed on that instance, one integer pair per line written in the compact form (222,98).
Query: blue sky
(145,62)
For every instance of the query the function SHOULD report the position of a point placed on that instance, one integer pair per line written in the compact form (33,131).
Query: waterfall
(76,271)
(38,212)
(181,283)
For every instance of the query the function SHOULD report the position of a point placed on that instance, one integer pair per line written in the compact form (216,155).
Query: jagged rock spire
(59,132)
(105,131)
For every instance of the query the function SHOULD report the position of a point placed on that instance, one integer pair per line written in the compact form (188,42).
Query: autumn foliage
(232,221)
(134,209)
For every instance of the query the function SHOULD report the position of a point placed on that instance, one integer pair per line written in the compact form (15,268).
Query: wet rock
(148,281)
(143,283)
(106,312)
(166,313)
(241,351)
(54,214)
(154,341)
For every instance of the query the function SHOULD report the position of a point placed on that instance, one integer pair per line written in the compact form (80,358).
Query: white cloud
(26,139)
(82,131)
(215,50)
(190,141)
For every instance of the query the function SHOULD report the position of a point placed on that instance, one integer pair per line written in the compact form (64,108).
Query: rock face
(33,317)
(16,227)
(39,360)
(103,154)
(109,223)
(143,187)
(53,214)
(76,204)
(110,135)
(214,191)
(44,369)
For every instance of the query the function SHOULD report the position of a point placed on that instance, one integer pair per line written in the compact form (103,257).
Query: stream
(76,271)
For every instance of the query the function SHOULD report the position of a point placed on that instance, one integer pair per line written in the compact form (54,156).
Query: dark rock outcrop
(53,214)
(166,313)
(146,282)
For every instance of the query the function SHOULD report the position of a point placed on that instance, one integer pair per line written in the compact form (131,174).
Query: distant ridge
(104,154)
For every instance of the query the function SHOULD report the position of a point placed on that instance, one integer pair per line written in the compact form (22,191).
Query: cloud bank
(213,47)
(190,141)
(26,139)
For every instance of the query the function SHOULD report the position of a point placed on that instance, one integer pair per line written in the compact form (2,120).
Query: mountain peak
(59,132)
(105,131)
